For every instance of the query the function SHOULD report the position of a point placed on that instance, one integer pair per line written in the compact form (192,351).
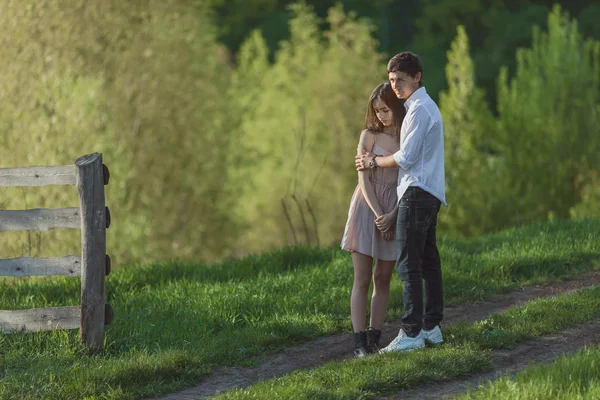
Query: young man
(421,192)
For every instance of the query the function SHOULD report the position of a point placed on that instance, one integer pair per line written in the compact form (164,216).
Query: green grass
(176,322)
(572,377)
(467,350)
(371,377)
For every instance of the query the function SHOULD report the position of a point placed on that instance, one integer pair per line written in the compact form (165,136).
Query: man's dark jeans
(419,260)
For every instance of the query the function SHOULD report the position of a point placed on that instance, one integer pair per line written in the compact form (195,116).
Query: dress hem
(360,252)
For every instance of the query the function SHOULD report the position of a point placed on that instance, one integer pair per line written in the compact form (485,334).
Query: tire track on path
(339,346)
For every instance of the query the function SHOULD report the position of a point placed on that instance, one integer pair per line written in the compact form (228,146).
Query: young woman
(370,229)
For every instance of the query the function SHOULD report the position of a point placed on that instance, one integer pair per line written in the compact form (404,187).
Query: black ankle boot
(373,336)
(360,344)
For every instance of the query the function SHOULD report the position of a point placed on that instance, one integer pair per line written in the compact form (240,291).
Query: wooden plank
(38,176)
(40,219)
(90,185)
(39,319)
(30,266)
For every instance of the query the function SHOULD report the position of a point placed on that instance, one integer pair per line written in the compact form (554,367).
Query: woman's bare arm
(366,141)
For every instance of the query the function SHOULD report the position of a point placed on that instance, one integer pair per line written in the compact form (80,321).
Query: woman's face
(383,112)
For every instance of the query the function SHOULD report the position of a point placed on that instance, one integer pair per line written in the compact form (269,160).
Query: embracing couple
(393,212)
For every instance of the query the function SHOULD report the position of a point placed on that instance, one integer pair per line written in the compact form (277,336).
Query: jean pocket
(403,222)
(425,216)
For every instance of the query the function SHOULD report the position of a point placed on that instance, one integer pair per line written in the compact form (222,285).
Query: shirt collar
(416,95)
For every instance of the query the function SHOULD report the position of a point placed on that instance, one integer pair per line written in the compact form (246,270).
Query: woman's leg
(363,267)
(381,292)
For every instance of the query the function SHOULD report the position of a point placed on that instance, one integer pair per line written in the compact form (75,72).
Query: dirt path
(508,362)
(338,347)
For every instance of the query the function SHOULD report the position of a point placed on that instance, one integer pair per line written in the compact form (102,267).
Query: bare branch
(289,220)
(304,225)
(314,219)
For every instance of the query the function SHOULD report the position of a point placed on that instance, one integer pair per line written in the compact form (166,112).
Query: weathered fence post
(93,218)
(90,184)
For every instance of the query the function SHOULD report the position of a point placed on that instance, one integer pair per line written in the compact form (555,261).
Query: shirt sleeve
(417,121)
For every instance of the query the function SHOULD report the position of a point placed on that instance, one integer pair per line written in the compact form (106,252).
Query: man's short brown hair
(406,62)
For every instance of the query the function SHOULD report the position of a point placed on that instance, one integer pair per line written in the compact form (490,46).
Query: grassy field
(176,322)
(574,377)
(466,351)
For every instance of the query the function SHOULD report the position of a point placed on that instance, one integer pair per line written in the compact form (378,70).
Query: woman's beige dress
(361,235)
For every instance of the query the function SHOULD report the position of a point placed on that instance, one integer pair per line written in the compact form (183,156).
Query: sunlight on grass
(467,350)
(569,377)
(192,318)
(370,377)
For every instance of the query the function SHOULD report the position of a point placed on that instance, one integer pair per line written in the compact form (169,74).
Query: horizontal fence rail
(30,266)
(40,319)
(40,219)
(92,217)
(38,176)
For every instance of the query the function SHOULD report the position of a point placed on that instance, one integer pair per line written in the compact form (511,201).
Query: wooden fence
(93,218)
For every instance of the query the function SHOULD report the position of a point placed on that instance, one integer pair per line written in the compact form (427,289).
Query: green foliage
(236,19)
(469,167)
(142,83)
(549,128)
(537,159)
(495,177)
(210,160)
(497,28)
(590,198)
(300,126)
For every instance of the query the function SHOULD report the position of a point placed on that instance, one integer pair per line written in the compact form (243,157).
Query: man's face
(403,84)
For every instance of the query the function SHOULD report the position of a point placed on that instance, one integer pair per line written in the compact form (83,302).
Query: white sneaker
(433,336)
(402,342)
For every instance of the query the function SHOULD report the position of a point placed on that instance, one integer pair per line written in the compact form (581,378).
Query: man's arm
(362,161)
(410,148)
(412,144)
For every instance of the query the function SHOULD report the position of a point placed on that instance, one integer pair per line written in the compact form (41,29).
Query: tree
(497,28)
(143,82)
(537,159)
(549,132)
(470,173)
(301,128)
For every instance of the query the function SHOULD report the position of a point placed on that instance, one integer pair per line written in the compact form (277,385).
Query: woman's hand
(389,235)
(385,221)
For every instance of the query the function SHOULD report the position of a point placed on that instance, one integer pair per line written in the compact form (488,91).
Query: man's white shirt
(421,154)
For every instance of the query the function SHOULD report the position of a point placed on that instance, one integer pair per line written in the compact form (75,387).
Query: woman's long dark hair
(385,93)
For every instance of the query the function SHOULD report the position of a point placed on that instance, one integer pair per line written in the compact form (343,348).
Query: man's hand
(363,159)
